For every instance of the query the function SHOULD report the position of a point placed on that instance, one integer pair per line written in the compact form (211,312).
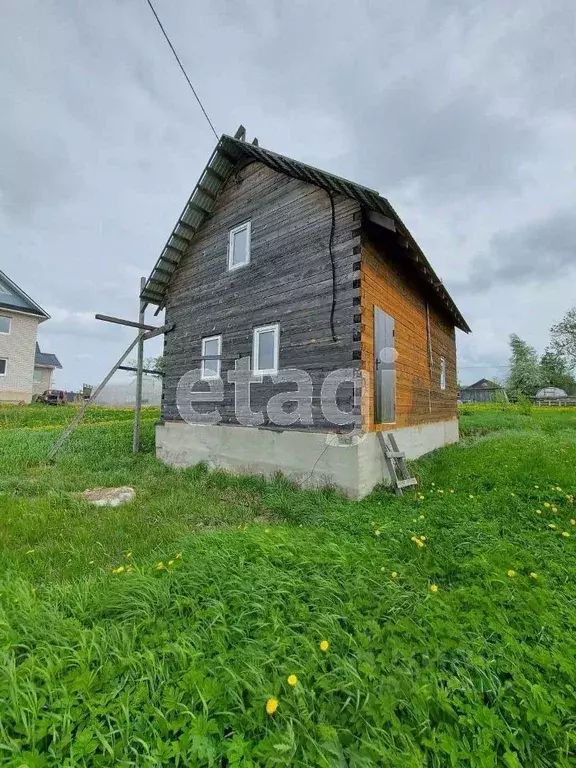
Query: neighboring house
(44,366)
(21,363)
(483,391)
(275,265)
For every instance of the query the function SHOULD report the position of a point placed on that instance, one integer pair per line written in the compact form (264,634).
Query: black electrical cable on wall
(333,263)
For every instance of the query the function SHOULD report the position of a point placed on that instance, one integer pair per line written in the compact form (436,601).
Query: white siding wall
(19,349)
(45,380)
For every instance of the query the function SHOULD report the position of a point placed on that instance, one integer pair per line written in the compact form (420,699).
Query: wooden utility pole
(139,373)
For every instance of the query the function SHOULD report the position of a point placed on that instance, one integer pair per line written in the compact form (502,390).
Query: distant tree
(555,372)
(564,337)
(524,376)
(155,364)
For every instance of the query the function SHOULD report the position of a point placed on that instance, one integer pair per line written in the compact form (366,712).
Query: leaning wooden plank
(75,421)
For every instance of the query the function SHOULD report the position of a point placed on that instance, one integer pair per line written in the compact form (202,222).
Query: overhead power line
(181,67)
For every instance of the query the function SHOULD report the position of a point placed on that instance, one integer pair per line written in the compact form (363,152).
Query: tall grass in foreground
(154,634)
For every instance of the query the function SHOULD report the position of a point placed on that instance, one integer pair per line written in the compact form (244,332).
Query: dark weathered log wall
(288,281)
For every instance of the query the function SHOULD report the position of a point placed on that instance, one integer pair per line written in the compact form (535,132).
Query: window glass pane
(2,367)
(37,376)
(4,289)
(210,367)
(4,324)
(239,244)
(266,350)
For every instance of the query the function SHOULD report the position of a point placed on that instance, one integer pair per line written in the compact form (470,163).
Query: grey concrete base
(352,463)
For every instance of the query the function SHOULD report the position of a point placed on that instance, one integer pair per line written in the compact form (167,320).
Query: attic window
(4,324)
(239,246)
(4,289)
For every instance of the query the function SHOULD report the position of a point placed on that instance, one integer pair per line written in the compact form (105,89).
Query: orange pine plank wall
(419,398)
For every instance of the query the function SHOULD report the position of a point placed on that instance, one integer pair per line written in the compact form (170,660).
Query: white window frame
(203,375)
(442,373)
(247,225)
(255,355)
(7,333)
(5,366)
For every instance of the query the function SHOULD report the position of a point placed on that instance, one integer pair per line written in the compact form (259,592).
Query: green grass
(173,666)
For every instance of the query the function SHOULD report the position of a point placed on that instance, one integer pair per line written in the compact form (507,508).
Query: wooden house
(482,391)
(313,288)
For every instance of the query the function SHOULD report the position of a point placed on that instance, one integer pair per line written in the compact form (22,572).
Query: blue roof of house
(46,359)
(13,297)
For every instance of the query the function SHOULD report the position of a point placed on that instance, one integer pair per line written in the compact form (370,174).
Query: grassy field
(159,633)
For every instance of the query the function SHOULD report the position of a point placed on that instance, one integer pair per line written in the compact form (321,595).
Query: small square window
(211,348)
(265,349)
(239,246)
(3,366)
(442,373)
(5,324)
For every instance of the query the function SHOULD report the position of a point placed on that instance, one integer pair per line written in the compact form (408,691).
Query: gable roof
(13,297)
(483,384)
(228,154)
(45,359)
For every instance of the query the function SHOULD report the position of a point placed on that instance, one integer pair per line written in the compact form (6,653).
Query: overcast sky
(462,114)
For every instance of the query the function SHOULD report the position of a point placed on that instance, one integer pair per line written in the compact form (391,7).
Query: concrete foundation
(352,463)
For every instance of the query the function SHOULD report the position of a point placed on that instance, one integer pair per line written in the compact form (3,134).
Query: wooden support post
(139,374)
(73,424)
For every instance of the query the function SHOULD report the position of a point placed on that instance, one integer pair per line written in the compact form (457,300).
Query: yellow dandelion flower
(160,566)
(170,562)
(536,486)
(451,490)
(572,522)
(558,488)
(376,532)
(324,645)
(292,680)
(120,569)
(267,530)
(394,575)
(538,511)
(422,538)
(440,490)
(566,534)
(546,504)
(554,509)
(511,573)
(551,525)
(471,496)
(533,575)
(421,517)
(434,587)
(271,706)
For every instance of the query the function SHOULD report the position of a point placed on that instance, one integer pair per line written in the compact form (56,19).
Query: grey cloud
(460,113)
(541,251)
